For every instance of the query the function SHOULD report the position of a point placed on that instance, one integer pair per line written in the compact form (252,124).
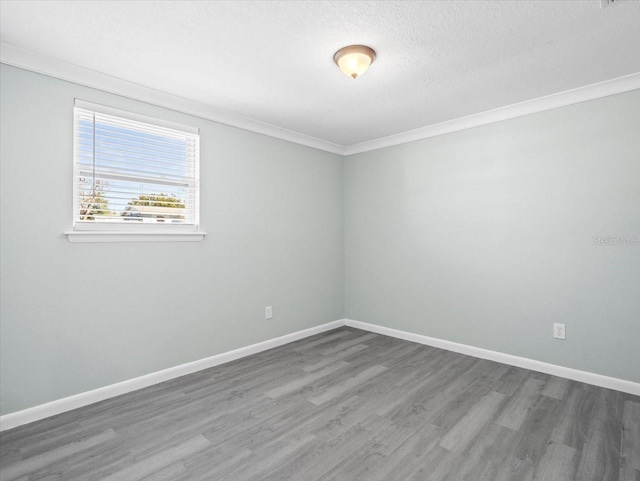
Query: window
(133,173)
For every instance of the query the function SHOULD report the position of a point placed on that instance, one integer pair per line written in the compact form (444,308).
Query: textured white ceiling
(272,60)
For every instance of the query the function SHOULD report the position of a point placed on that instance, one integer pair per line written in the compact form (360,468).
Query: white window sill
(123,236)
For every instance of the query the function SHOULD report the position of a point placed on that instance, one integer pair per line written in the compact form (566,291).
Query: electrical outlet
(268,312)
(559,331)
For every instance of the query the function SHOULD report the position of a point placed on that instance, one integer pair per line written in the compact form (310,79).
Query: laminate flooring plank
(210,466)
(319,458)
(173,425)
(535,433)
(173,472)
(576,417)
(26,440)
(123,415)
(436,465)
(82,466)
(205,417)
(153,464)
(464,432)
(339,356)
(259,470)
(408,458)
(329,423)
(482,458)
(319,341)
(245,389)
(123,405)
(419,366)
(362,435)
(556,388)
(515,412)
(600,453)
(461,395)
(276,362)
(370,392)
(246,381)
(302,418)
(58,455)
(392,356)
(360,465)
(345,386)
(374,459)
(510,381)
(557,464)
(261,422)
(609,405)
(9,457)
(448,414)
(629,474)
(297,384)
(74,433)
(383,392)
(512,469)
(630,445)
(580,401)
(430,392)
(357,363)
(112,458)
(347,344)
(490,457)
(386,437)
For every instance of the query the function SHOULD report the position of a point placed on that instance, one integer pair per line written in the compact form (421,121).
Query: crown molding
(17,57)
(60,69)
(561,99)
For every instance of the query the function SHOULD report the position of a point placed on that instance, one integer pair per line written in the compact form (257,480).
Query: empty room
(320,240)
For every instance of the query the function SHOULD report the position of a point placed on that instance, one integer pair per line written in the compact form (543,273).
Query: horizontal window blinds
(130,171)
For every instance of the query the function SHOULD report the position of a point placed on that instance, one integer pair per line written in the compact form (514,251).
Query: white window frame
(135,232)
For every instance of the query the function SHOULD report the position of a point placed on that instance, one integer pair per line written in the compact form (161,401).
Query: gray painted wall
(485,236)
(75,317)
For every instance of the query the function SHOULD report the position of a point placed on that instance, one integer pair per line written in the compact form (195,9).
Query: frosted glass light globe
(354,60)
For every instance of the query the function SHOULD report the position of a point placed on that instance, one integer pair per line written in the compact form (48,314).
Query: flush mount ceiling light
(354,60)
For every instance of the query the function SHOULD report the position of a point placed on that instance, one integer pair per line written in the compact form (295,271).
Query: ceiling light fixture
(354,60)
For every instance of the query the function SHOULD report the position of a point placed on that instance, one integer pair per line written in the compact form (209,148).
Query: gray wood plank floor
(343,405)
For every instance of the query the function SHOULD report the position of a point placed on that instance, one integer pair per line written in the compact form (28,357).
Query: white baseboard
(555,370)
(59,406)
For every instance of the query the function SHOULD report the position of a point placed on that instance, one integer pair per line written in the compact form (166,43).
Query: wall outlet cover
(559,331)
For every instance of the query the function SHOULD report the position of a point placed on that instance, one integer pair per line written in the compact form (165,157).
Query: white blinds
(133,169)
